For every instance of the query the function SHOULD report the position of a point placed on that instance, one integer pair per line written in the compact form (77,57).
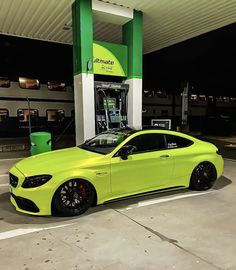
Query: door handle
(101,173)
(164,156)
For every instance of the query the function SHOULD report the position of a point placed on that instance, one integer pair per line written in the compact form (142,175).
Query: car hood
(57,161)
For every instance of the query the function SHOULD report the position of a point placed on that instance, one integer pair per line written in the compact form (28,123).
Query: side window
(177,142)
(28,83)
(148,142)
(5,82)
(4,114)
(56,86)
(55,115)
(23,115)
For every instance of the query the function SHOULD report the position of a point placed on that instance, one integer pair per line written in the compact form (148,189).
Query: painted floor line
(9,159)
(19,232)
(3,175)
(156,201)
(4,185)
(141,204)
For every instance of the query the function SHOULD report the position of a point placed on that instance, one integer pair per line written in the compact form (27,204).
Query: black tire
(203,176)
(73,198)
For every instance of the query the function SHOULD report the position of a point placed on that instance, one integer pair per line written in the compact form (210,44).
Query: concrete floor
(176,230)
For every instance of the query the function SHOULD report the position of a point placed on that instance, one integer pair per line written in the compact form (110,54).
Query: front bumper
(25,204)
(34,201)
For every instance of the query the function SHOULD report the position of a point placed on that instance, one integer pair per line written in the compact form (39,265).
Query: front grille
(13,180)
(25,204)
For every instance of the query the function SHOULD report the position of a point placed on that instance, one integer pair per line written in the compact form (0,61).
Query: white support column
(135,103)
(111,13)
(84,107)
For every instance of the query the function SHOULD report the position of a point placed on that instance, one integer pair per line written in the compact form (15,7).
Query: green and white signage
(110,59)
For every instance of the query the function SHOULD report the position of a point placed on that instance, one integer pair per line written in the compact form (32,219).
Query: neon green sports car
(112,165)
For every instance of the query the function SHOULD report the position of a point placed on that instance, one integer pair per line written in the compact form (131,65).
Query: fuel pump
(110,105)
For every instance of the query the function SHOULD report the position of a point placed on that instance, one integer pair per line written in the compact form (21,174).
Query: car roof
(125,130)
(128,130)
(145,129)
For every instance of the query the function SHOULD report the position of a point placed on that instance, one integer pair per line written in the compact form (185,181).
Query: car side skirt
(145,194)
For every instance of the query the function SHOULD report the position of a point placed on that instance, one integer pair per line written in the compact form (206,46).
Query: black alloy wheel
(73,197)
(203,176)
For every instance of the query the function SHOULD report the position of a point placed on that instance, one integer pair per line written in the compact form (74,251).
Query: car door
(149,167)
(183,152)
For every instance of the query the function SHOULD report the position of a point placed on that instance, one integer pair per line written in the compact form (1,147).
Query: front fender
(100,181)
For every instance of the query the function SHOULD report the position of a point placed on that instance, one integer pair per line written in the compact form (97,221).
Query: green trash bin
(40,142)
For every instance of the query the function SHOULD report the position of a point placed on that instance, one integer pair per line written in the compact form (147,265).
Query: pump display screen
(161,123)
(110,102)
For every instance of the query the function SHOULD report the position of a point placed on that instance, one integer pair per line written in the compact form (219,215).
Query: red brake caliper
(82,191)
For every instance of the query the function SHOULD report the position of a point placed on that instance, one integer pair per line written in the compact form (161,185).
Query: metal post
(29,115)
(184,117)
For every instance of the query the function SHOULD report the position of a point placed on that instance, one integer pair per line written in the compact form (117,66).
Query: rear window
(177,142)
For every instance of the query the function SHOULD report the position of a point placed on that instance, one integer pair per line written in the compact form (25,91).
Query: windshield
(104,143)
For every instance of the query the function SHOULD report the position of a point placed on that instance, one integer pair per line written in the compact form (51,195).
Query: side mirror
(126,150)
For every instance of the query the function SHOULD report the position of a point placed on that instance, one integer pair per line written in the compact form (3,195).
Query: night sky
(35,59)
(207,61)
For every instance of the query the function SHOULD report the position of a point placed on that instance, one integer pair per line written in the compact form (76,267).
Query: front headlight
(36,181)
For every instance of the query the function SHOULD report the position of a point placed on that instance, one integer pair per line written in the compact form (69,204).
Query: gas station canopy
(166,22)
